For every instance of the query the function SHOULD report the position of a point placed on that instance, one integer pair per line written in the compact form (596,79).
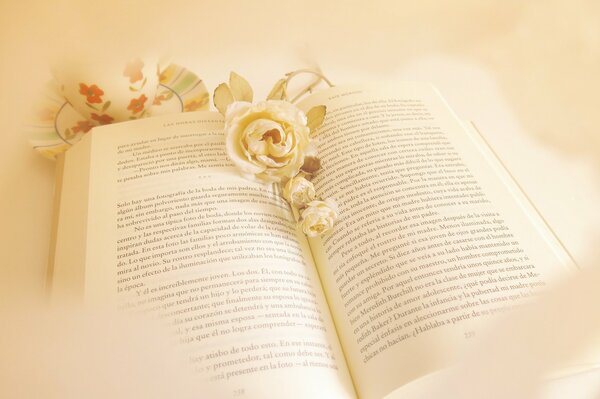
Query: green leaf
(132,88)
(222,98)
(105,106)
(240,88)
(278,92)
(91,106)
(316,117)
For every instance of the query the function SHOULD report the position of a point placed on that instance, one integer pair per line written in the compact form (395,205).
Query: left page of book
(164,225)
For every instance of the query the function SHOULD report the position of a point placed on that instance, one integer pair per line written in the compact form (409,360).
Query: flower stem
(290,75)
(307,89)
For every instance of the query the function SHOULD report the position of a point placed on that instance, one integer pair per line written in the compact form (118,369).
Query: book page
(173,231)
(65,278)
(431,241)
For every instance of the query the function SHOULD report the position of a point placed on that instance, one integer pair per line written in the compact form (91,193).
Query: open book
(434,238)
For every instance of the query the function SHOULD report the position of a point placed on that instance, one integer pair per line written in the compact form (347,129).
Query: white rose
(267,140)
(298,191)
(319,217)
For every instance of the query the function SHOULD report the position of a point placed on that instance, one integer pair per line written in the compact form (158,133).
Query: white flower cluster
(269,142)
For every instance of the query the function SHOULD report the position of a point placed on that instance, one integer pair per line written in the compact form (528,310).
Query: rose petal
(268,139)
(270,161)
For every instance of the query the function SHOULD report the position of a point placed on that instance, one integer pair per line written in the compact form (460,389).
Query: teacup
(106,92)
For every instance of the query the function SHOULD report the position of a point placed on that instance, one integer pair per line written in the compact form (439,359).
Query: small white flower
(319,217)
(266,140)
(298,191)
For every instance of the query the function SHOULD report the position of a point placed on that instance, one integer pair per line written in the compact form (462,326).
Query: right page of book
(433,239)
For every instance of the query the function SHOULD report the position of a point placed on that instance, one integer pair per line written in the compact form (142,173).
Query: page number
(469,334)
(238,392)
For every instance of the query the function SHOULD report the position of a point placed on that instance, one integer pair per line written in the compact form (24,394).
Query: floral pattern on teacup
(102,119)
(92,93)
(56,124)
(133,70)
(137,105)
